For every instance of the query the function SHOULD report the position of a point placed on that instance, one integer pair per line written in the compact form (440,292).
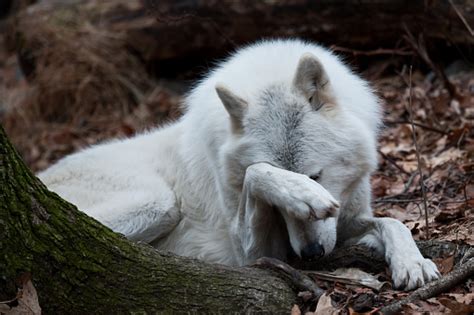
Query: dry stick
(295,277)
(393,162)
(420,47)
(380,200)
(466,202)
(446,202)
(395,122)
(465,271)
(377,52)
(417,151)
(408,183)
(462,18)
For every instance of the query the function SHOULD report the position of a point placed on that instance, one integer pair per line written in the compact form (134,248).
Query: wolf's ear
(234,105)
(311,79)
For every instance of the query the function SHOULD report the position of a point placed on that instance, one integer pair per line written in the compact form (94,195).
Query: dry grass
(85,85)
(81,70)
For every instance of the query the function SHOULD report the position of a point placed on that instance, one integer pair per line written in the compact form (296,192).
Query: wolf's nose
(312,251)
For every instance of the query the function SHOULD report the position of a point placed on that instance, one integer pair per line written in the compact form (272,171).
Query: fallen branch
(391,199)
(462,18)
(376,52)
(434,288)
(418,159)
(419,46)
(429,128)
(393,162)
(299,280)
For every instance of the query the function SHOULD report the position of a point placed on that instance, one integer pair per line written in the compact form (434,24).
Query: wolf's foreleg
(409,268)
(266,189)
(294,193)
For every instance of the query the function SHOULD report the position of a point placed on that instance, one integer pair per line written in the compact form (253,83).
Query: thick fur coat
(272,155)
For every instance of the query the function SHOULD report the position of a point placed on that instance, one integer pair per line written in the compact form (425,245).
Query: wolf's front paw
(296,194)
(306,199)
(413,272)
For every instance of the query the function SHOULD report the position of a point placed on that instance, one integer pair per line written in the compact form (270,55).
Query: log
(170,35)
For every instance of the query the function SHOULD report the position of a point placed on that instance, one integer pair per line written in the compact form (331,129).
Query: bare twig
(418,158)
(393,162)
(391,200)
(455,201)
(434,288)
(298,279)
(466,202)
(446,202)
(461,17)
(376,52)
(168,19)
(420,47)
(408,183)
(396,122)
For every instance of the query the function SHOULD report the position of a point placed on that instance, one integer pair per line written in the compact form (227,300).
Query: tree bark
(79,266)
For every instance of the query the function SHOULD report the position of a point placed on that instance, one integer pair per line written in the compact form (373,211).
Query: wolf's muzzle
(312,251)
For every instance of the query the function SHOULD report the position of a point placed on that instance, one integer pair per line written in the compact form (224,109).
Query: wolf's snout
(312,251)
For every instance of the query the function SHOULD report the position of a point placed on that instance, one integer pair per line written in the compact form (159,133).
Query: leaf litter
(444,134)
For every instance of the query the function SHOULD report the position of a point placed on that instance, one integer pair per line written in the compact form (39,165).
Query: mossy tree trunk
(79,266)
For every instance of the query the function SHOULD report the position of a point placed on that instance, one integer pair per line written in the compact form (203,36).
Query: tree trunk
(79,266)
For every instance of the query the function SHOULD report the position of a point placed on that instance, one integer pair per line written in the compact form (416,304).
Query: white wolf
(273,154)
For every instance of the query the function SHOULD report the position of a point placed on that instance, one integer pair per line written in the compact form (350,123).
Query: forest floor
(443,155)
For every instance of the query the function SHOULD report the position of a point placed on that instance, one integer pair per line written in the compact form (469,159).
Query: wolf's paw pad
(412,273)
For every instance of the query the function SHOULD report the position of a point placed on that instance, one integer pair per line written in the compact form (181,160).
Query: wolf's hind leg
(409,268)
(139,215)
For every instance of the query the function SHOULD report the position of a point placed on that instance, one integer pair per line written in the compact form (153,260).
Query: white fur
(222,190)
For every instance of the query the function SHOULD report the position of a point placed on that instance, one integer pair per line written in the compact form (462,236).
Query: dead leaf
(396,188)
(295,310)
(352,312)
(448,215)
(457,308)
(27,299)
(325,307)
(430,306)
(351,276)
(463,298)
(451,155)
(363,303)
(445,265)
(408,213)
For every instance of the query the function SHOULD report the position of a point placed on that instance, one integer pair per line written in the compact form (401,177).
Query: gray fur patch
(278,124)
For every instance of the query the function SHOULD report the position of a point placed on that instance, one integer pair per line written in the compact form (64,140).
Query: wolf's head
(301,127)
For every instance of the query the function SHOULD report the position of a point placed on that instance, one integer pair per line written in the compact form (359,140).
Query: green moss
(80,266)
